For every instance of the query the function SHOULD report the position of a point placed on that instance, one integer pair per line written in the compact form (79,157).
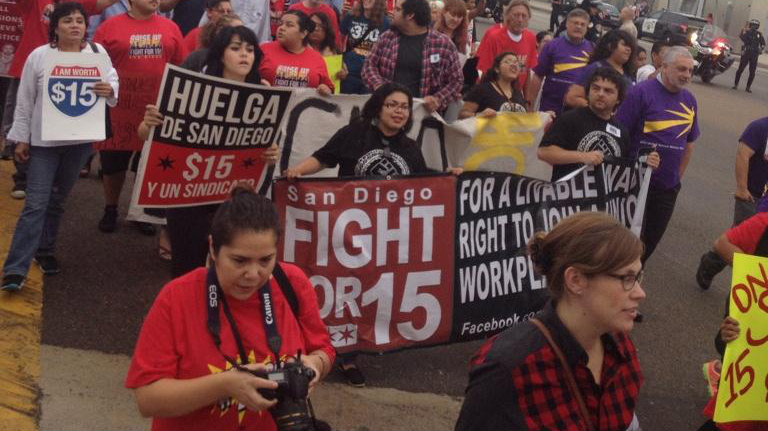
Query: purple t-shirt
(755,137)
(762,204)
(561,62)
(655,116)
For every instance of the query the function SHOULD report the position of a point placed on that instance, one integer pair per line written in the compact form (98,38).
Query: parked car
(673,26)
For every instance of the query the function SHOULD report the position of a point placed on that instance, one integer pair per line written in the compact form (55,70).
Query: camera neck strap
(215,296)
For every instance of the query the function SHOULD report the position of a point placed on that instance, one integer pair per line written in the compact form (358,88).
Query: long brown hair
(378,12)
(592,242)
(459,36)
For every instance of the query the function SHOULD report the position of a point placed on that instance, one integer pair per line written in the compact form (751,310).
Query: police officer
(752,45)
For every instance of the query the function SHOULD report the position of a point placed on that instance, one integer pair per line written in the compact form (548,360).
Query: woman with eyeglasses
(497,91)
(572,366)
(374,144)
(322,39)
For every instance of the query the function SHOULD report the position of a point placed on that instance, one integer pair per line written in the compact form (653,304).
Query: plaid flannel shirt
(442,79)
(517,382)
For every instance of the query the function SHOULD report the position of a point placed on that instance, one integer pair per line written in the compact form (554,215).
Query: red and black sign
(10,33)
(379,253)
(434,259)
(212,137)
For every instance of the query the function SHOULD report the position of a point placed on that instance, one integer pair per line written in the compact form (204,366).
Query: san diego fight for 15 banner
(436,259)
(213,134)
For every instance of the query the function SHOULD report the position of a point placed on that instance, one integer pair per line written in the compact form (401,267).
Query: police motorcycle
(711,49)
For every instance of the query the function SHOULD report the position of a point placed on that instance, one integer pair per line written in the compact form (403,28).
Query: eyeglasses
(511,64)
(628,281)
(397,106)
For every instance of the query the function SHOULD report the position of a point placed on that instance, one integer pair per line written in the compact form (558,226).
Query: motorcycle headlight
(694,37)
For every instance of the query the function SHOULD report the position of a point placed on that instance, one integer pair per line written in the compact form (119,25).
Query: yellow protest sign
(507,142)
(333,63)
(743,392)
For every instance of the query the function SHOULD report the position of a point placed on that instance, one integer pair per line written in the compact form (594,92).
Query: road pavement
(93,310)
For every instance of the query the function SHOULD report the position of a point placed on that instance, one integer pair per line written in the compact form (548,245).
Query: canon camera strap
(214,296)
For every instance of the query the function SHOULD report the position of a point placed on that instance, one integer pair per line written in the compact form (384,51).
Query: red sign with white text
(212,137)
(379,254)
(10,33)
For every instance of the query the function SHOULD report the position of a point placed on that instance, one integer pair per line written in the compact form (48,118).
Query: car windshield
(711,32)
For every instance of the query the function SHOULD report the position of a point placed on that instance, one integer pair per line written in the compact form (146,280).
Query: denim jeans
(51,173)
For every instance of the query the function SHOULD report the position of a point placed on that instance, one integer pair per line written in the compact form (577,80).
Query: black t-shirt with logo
(581,130)
(361,150)
(486,96)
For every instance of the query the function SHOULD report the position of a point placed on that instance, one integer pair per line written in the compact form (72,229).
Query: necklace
(504,93)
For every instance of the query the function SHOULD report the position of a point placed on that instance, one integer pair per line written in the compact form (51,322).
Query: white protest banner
(71,110)
(507,143)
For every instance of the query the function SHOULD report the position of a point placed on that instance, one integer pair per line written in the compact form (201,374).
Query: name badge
(613,130)
(434,58)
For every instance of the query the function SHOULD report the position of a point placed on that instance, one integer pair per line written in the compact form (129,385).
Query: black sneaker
(701,278)
(353,375)
(748,90)
(147,229)
(12,283)
(48,264)
(108,222)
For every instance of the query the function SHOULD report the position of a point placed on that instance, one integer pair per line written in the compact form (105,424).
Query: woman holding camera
(208,325)
(572,366)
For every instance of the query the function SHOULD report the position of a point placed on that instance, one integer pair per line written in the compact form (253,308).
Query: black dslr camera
(291,413)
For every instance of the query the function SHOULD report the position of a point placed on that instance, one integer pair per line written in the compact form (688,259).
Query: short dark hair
(641,49)
(305,24)
(210,4)
(60,11)
(607,74)
(658,45)
(374,105)
(542,34)
(609,42)
(244,211)
(422,13)
(222,39)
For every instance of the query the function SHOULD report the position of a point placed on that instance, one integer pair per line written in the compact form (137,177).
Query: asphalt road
(108,282)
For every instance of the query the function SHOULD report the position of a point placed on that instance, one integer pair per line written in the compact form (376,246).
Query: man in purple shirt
(561,62)
(661,114)
(751,179)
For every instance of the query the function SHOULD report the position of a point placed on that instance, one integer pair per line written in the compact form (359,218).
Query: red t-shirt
(748,233)
(192,40)
(175,343)
(328,11)
(139,50)
(276,8)
(286,69)
(497,41)
(36,29)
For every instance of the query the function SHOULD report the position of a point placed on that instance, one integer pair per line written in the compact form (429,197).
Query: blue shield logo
(72,96)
